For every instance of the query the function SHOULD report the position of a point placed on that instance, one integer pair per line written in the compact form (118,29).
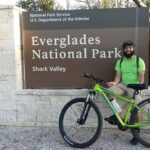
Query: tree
(148,3)
(37,5)
(105,3)
(143,3)
(90,4)
(139,3)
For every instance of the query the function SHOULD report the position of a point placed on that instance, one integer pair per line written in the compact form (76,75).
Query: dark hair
(127,43)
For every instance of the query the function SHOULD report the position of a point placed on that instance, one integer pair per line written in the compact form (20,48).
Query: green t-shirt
(129,68)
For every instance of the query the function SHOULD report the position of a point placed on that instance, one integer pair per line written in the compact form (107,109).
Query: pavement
(49,138)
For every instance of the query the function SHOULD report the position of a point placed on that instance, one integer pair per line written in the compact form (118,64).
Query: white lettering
(36,53)
(35,40)
(94,53)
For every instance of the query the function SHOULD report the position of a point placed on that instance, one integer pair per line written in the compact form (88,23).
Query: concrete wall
(26,107)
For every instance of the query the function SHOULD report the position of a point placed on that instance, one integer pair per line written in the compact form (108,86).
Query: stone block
(44,99)
(11,116)
(7,31)
(145,92)
(7,105)
(7,47)
(3,77)
(57,103)
(7,88)
(26,99)
(8,66)
(2,65)
(25,112)
(6,16)
(2,116)
(44,113)
(26,103)
(8,63)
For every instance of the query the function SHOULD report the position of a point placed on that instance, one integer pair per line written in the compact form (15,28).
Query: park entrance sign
(59,46)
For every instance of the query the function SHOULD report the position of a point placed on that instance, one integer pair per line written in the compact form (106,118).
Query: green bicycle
(81,121)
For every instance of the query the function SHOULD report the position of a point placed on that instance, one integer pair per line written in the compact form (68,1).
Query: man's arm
(141,76)
(116,79)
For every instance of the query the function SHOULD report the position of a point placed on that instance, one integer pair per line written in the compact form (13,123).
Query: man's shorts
(122,89)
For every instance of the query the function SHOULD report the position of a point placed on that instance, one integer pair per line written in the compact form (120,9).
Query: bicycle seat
(137,86)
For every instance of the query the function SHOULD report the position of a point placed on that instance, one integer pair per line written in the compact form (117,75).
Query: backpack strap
(121,62)
(137,63)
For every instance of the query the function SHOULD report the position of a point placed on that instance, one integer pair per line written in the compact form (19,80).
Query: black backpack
(137,62)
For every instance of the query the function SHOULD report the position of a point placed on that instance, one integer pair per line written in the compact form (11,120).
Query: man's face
(128,51)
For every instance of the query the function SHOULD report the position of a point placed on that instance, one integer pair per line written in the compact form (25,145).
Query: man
(127,72)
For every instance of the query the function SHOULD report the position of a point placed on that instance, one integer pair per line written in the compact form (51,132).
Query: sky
(13,2)
(8,2)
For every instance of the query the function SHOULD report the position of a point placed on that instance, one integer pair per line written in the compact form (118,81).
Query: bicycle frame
(131,104)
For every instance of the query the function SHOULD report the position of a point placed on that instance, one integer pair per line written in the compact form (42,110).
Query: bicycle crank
(120,127)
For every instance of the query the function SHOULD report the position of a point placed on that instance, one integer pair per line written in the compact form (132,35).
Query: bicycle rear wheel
(142,133)
(80,134)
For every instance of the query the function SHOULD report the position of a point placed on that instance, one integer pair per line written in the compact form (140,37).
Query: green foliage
(148,3)
(46,4)
(105,3)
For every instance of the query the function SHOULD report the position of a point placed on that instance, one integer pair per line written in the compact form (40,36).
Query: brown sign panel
(60,46)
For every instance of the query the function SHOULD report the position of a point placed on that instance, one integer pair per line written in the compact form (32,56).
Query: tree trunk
(139,3)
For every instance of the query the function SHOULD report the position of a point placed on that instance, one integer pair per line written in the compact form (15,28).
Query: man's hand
(116,80)
(110,84)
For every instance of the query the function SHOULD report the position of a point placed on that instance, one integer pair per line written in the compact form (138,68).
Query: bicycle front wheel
(80,135)
(142,133)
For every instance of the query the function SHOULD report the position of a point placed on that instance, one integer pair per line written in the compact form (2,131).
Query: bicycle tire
(62,127)
(137,133)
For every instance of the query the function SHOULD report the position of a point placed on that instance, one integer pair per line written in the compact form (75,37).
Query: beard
(128,54)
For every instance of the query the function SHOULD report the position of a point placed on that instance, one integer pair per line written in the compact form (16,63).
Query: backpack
(137,62)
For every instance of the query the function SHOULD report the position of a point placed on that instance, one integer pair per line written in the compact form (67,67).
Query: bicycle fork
(86,108)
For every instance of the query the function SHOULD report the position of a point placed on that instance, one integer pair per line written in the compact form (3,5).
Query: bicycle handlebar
(91,76)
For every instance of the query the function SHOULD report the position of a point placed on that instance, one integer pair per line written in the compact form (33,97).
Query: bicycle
(83,125)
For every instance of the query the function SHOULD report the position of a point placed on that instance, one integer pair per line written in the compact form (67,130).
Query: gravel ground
(48,138)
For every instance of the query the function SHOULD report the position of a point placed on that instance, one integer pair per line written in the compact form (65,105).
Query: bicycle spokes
(141,121)
(80,122)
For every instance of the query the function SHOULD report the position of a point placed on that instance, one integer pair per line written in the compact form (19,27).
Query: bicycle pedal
(112,122)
